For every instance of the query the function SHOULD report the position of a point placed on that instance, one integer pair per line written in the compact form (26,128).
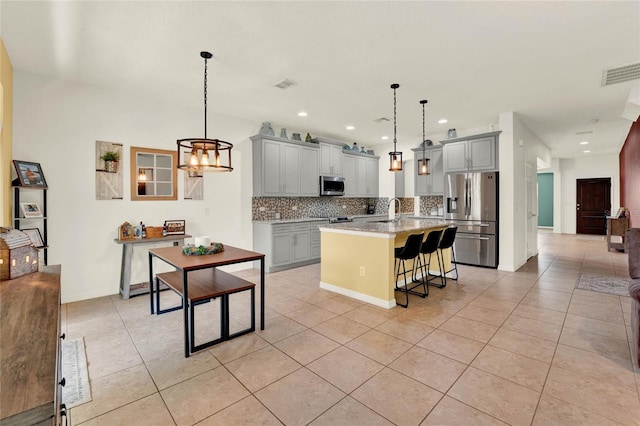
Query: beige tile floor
(517,348)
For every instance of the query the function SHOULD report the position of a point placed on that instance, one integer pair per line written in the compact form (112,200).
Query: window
(153,174)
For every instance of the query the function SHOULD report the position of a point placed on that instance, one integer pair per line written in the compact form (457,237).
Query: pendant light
(423,165)
(202,154)
(395,157)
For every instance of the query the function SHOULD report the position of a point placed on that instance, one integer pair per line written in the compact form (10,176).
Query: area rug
(604,284)
(76,390)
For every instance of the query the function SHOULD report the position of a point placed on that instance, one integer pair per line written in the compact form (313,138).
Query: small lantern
(18,256)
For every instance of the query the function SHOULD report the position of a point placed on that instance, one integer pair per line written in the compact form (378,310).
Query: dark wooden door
(593,205)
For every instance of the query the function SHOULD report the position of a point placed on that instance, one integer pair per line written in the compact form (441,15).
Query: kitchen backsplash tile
(303,207)
(430,203)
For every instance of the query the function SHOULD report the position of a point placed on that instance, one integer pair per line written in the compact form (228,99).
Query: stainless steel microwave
(331,185)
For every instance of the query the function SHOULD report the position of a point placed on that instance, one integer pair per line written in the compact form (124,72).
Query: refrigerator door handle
(471,238)
(467,196)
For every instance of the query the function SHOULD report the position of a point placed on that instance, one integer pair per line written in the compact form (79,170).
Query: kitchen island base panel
(360,264)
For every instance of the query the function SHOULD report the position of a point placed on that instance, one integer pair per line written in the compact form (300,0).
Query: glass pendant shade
(423,167)
(423,164)
(395,157)
(197,149)
(395,161)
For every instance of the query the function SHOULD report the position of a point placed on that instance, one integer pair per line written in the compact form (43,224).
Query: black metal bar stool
(448,238)
(429,246)
(411,250)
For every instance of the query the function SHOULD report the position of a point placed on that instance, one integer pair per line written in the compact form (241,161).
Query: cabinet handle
(63,382)
(63,413)
(63,336)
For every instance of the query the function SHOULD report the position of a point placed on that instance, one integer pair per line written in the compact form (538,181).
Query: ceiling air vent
(620,74)
(286,83)
(381,120)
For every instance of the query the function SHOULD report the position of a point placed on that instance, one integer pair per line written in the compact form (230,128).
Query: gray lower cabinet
(433,183)
(471,153)
(284,168)
(287,245)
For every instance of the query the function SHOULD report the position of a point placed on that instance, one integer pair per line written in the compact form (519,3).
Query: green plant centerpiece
(111,159)
(192,250)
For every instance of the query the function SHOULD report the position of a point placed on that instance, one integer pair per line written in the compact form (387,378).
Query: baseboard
(387,304)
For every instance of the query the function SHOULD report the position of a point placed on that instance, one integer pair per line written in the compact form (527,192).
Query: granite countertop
(318,219)
(392,228)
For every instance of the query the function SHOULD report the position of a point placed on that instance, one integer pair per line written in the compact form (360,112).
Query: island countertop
(385,226)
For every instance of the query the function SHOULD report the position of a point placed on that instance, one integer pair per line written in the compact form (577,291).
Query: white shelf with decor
(20,221)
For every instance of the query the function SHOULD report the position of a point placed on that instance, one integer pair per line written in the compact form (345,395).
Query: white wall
(56,124)
(557,193)
(601,166)
(517,145)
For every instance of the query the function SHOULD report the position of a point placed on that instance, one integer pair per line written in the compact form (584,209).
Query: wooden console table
(30,349)
(617,227)
(185,264)
(126,288)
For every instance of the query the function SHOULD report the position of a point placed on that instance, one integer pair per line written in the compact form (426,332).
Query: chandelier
(202,154)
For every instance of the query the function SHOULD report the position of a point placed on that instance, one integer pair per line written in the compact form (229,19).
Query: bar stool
(429,246)
(448,238)
(411,250)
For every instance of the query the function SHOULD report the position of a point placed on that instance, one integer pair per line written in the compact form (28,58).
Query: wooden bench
(204,286)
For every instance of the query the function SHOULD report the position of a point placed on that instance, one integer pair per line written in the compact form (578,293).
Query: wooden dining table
(185,264)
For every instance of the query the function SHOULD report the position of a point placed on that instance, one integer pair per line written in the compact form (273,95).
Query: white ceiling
(471,60)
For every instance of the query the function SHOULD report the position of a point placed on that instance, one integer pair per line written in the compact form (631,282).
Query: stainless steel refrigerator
(471,203)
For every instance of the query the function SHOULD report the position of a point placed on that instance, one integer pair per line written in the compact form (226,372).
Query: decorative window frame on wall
(153,171)
(109,185)
(193,186)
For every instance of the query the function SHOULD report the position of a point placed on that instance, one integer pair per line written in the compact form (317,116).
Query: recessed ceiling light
(350,127)
(302,114)
(584,143)
(384,138)
(443,121)
(587,151)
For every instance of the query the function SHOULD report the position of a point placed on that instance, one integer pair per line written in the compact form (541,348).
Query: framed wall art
(175,227)
(29,174)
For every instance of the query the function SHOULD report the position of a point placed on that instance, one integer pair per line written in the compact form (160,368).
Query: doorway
(593,205)
(531,209)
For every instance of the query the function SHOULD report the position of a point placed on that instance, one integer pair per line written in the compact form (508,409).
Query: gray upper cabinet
(284,168)
(330,159)
(350,176)
(309,176)
(372,177)
(367,176)
(433,183)
(471,153)
(360,172)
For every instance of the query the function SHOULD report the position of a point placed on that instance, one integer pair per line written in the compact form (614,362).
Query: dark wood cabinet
(30,349)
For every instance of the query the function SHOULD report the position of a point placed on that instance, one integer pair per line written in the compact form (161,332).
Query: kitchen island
(357,258)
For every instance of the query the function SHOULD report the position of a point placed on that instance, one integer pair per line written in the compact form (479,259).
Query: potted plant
(111,159)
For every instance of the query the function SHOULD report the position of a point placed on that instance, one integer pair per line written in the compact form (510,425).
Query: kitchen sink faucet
(396,217)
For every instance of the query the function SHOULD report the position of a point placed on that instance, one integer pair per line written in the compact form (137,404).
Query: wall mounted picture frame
(175,227)
(29,174)
(35,236)
(31,210)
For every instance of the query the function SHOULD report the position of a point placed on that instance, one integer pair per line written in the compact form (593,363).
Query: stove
(340,219)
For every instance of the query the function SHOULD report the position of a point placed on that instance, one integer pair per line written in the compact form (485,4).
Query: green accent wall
(545,199)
